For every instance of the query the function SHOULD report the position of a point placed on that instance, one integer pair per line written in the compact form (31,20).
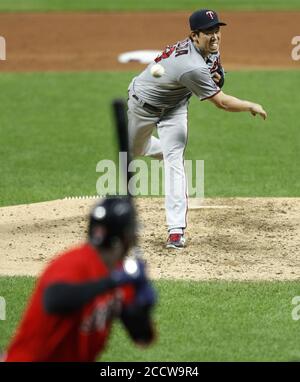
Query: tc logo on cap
(210,14)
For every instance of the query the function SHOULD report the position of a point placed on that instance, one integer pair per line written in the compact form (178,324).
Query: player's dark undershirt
(65,298)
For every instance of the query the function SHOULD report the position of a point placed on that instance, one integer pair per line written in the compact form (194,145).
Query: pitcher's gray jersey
(162,104)
(186,73)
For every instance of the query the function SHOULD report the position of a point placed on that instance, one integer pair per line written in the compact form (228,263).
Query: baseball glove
(219,76)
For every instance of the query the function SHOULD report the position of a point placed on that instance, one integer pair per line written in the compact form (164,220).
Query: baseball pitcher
(190,67)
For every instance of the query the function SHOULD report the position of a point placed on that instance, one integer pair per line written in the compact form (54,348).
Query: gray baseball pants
(171,127)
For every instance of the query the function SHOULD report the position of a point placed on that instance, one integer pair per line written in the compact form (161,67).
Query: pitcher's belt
(147,106)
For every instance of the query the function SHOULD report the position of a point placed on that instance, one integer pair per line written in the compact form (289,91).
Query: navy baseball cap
(204,19)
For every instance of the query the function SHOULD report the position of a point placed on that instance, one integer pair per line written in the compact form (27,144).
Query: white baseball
(157,70)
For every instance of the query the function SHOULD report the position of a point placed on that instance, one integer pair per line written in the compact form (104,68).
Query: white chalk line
(83,197)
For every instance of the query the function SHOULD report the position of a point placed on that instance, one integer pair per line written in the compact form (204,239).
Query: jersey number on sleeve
(166,53)
(181,48)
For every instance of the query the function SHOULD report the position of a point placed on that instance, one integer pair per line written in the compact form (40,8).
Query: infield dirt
(93,41)
(228,239)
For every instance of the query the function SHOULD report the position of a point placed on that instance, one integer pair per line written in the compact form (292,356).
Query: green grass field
(137,5)
(55,127)
(215,321)
(59,126)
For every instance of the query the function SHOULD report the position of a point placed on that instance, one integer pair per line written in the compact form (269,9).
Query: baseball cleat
(176,240)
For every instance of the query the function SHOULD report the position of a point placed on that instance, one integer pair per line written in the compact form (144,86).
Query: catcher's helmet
(112,220)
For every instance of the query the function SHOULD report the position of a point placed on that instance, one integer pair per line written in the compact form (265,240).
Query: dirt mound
(228,239)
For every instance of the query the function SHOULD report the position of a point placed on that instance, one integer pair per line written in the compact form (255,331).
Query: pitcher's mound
(228,239)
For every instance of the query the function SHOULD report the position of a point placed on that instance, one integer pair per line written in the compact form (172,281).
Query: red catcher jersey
(79,336)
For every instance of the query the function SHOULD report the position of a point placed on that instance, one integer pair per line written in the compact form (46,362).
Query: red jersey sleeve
(72,267)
